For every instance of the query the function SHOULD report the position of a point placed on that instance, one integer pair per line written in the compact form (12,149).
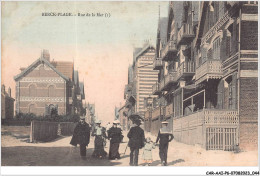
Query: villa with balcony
(208,93)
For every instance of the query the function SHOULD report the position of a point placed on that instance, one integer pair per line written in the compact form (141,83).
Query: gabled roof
(66,68)
(148,46)
(38,61)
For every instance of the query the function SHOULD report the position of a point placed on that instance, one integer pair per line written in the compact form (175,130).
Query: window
(32,91)
(216,48)
(51,92)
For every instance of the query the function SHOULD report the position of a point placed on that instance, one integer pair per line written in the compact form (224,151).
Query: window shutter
(228,46)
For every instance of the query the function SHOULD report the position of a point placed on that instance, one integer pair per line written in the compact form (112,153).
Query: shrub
(28,117)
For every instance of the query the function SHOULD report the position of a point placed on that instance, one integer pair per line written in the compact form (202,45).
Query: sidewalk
(180,154)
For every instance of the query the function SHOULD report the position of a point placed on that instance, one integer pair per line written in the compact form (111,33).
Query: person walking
(115,136)
(136,142)
(99,133)
(81,136)
(147,151)
(164,137)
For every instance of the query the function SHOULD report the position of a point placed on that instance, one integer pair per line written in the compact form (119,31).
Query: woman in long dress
(115,136)
(100,136)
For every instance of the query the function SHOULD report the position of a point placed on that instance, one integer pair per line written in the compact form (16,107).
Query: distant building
(144,76)
(47,85)
(7,104)
(116,113)
(90,113)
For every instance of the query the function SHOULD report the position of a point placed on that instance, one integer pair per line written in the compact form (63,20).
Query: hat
(165,122)
(98,121)
(82,118)
(137,122)
(116,122)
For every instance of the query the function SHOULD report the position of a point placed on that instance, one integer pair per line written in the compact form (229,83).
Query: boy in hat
(164,137)
(81,136)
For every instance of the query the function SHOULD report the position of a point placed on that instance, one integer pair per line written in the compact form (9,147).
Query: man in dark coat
(164,136)
(81,136)
(136,142)
(115,136)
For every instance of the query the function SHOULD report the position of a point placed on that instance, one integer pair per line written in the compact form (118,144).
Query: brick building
(207,84)
(47,85)
(7,104)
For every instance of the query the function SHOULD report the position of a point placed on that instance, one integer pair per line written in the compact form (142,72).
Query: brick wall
(48,85)
(248,99)
(248,113)
(248,136)
(249,38)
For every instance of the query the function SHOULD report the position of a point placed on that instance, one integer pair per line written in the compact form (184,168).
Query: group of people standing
(136,142)
(81,136)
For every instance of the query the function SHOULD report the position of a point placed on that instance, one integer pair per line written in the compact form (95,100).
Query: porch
(212,129)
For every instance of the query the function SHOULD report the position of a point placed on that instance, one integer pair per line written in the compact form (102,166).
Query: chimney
(3,88)
(9,92)
(22,69)
(46,55)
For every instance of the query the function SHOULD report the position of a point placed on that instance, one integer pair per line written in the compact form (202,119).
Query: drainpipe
(238,80)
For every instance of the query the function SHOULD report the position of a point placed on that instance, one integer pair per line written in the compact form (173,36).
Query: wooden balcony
(210,69)
(169,80)
(157,64)
(185,71)
(155,89)
(213,129)
(185,34)
(209,117)
(169,51)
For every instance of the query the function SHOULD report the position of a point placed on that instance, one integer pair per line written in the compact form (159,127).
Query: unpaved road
(16,151)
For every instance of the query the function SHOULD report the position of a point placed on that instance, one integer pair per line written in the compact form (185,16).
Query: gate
(221,139)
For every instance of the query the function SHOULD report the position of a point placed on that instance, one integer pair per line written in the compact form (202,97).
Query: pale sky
(102,47)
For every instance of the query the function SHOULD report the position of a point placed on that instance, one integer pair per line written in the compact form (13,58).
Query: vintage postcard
(130,83)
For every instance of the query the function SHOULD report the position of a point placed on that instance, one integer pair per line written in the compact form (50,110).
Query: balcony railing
(169,79)
(155,89)
(210,69)
(169,51)
(221,117)
(212,117)
(185,34)
(157,64)
(185,70)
